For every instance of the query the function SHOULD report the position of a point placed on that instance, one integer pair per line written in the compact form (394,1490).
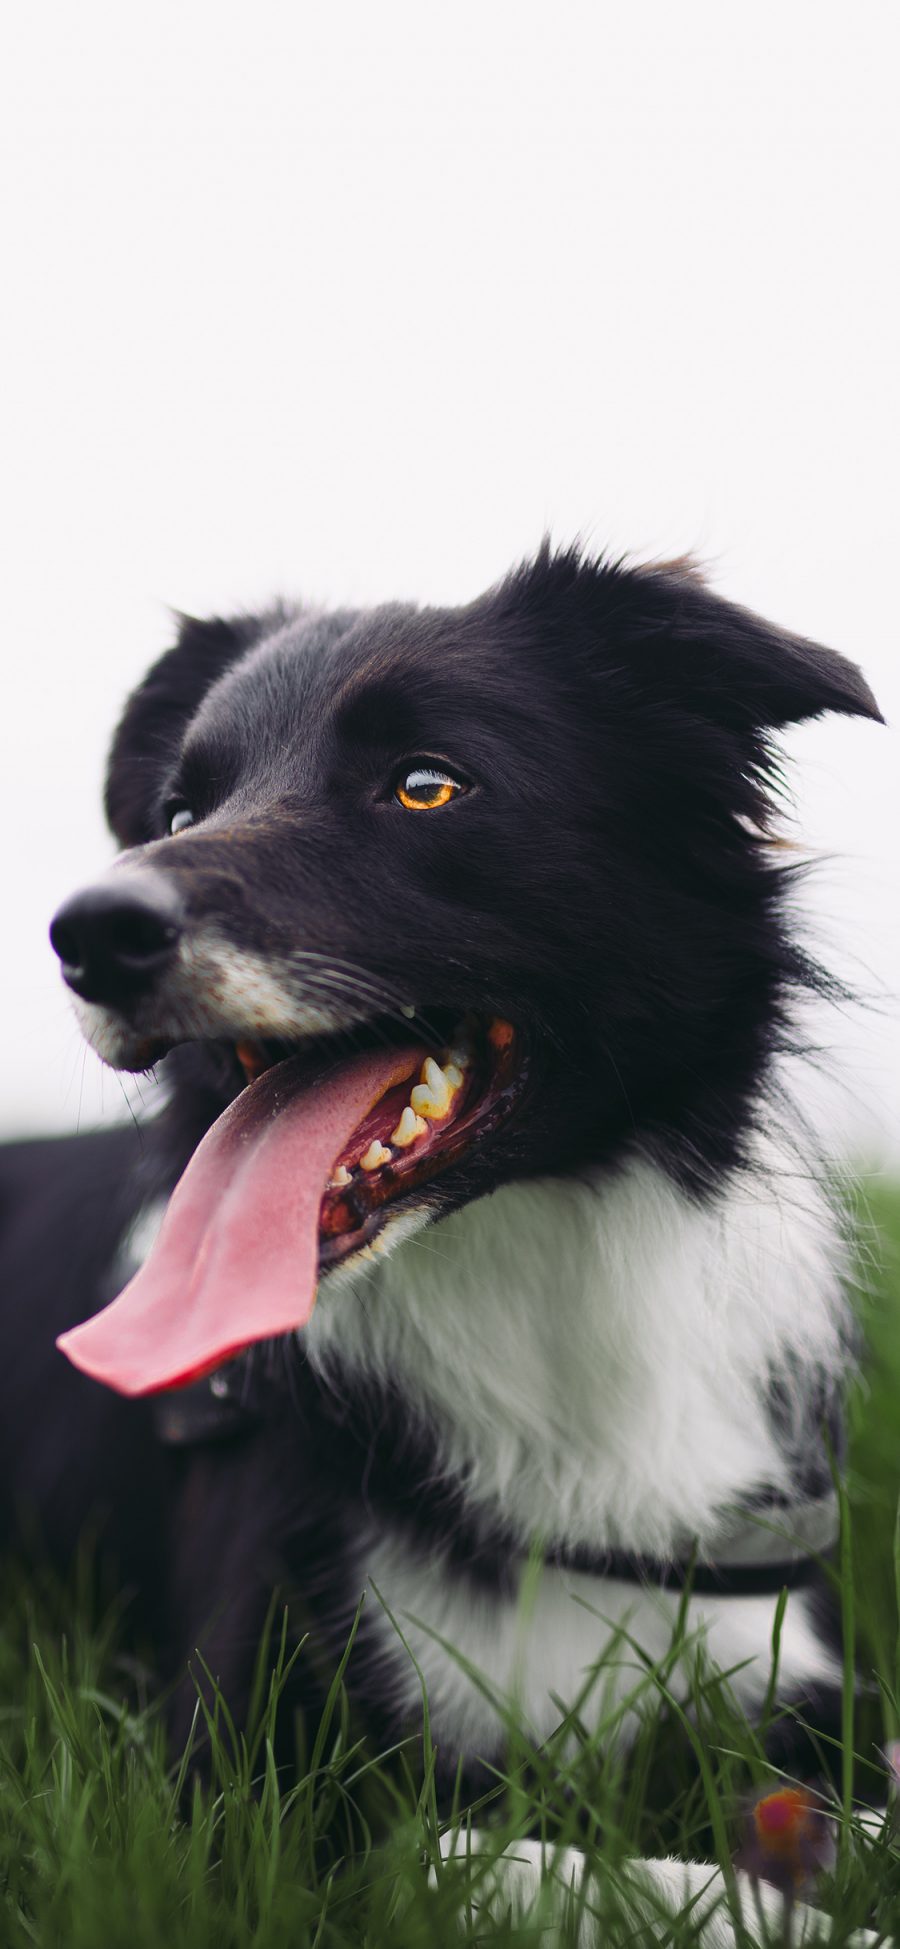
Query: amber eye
(424,789)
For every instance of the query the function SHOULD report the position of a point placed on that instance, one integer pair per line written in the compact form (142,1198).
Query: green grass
(105,1840)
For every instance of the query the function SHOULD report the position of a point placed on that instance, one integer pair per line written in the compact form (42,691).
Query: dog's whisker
(84,1055)
(128,1103)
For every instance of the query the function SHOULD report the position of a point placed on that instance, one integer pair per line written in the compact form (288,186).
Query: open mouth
(300,1172)
(445,1104)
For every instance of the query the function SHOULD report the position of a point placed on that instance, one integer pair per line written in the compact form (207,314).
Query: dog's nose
(113,940)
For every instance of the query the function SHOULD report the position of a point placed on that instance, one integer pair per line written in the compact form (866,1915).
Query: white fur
(594,1358)
(594,1353)
(536,1648)
(532,1881)
(214,989)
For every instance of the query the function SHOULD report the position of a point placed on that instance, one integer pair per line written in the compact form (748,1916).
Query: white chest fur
(593,1358)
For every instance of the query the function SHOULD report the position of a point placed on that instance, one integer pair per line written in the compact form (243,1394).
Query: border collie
(464,942)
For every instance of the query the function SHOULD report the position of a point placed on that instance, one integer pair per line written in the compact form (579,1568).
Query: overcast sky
(354,302)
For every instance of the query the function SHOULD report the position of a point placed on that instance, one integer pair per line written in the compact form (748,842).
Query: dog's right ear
(155,715)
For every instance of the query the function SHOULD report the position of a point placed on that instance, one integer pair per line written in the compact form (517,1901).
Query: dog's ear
(660,628)
(156,713)
(729,665)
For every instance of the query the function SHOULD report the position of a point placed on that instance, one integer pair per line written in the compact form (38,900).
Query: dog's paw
(555,1887)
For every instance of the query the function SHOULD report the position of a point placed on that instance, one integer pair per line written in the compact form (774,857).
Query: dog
(465,946)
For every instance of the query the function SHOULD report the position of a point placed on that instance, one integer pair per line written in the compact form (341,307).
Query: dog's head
(521,841)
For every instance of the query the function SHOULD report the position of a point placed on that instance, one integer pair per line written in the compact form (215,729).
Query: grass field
(103,1844)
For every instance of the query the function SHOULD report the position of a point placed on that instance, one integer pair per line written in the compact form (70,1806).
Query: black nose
(113,940)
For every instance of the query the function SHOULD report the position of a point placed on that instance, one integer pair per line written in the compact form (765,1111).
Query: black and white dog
(464,940)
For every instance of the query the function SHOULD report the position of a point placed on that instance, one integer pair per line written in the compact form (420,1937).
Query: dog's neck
(595,1359)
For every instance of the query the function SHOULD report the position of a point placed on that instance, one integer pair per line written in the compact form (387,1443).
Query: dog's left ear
(157,711)
(725,663)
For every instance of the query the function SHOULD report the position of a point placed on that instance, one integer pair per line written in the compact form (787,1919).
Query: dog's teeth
(376,1155)
(339,1178)
(433,1095)
(460,1050)
(409,1128)
(408,1009)
(436,1080)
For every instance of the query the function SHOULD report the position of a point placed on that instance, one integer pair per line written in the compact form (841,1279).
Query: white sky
(355,301)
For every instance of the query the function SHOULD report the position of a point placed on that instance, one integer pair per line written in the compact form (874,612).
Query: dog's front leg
(555,1886)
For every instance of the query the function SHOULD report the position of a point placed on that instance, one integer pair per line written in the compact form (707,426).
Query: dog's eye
(178,818)
(424,789)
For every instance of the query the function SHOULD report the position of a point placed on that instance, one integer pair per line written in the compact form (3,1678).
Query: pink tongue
(237,1256)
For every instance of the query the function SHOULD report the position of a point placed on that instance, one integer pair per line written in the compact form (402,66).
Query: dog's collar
(767,1545)
(770,1544)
